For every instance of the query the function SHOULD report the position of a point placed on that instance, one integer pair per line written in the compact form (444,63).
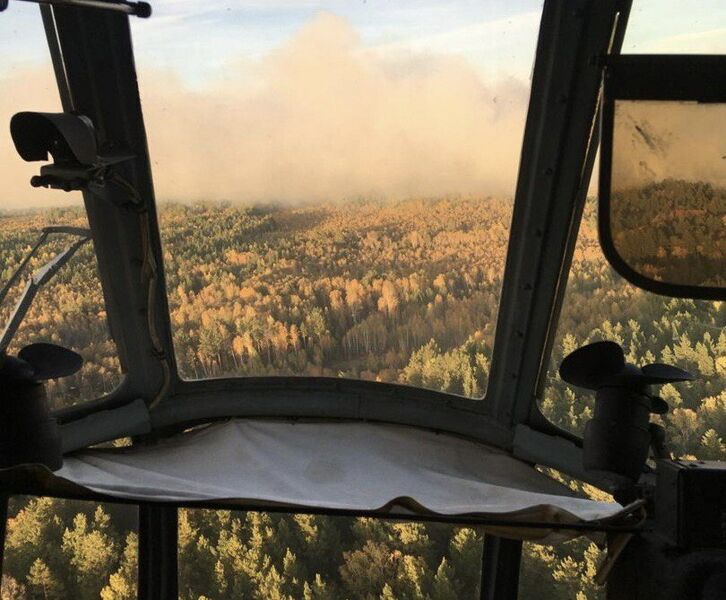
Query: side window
(68,310)
(562,571)
(690,334)
(57,549)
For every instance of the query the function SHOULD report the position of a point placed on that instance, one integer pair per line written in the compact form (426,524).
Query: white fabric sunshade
(332,465)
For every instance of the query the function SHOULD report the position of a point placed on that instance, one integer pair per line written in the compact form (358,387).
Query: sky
(308,100)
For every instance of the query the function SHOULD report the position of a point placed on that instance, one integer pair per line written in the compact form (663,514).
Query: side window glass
(559,572)
(69,310)
(600,305)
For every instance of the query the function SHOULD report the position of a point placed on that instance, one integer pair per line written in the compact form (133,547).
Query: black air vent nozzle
(618,436)
(28,432)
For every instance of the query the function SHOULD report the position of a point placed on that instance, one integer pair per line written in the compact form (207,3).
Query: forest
(404,291)
(672,230)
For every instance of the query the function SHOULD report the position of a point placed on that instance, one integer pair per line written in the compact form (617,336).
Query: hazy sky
(312,100)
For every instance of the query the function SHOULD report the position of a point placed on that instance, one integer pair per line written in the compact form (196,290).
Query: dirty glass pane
(230,554)
(335,182)
(668,190)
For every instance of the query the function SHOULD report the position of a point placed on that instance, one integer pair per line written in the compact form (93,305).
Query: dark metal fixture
(619,435)
(28,431)
(70,140)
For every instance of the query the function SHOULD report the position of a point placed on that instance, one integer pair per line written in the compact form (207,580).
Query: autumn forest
(403,291)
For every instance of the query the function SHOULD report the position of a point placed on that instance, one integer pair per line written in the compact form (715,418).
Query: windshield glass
(676,27)
(335,182)
(690,334)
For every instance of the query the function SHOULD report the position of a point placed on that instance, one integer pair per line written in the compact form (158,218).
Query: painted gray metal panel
(93,59)
(560,454)
(221,399)
(106,425)
(573,37)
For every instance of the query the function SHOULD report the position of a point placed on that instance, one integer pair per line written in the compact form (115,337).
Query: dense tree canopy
(672,231)
(393,291)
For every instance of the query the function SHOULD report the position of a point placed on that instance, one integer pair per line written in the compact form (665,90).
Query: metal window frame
(158,571)
(98,79)
(501,561)
(558,154)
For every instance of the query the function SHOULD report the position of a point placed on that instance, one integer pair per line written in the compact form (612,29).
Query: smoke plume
(320,118)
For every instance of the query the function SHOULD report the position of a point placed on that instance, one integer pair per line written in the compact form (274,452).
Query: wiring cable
(150,275)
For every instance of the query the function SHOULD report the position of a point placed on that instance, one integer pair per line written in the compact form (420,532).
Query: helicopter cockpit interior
(356,299)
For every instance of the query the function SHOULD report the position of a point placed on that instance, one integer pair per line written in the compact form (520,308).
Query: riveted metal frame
(93,60)
(98,78)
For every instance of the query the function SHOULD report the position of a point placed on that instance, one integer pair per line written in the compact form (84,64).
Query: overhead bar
(136,9)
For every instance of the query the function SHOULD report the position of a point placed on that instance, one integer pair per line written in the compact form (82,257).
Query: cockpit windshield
(335,183)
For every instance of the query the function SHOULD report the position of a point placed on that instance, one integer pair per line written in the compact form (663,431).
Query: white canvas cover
(333,465)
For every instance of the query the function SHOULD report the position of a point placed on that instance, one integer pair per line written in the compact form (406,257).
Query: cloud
(322,118)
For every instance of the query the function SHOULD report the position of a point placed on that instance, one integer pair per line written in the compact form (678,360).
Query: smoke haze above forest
(277,100)
(319,118)
(322,118)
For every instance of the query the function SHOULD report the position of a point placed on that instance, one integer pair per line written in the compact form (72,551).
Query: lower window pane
(561,572)
(227,554)
(61,549)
